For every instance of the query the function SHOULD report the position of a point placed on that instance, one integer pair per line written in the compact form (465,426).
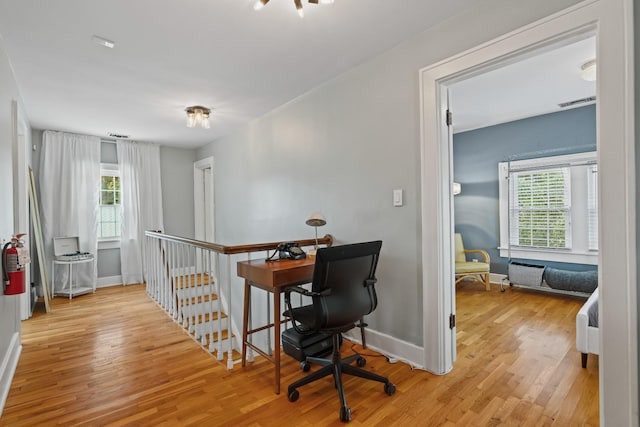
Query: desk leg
(276,338)
(245,320)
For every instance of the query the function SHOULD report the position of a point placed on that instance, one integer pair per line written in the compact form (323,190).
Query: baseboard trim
(8,368)
(107,281)
(394,349)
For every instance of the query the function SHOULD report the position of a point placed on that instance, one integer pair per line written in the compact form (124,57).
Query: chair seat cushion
(305,316)
(471,267)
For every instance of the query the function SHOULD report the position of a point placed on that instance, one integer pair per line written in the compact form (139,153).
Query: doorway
(203,196)
(203,188)
(613,27)
(539,112)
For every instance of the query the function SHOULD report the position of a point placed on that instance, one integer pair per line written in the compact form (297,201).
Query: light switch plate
(397,198)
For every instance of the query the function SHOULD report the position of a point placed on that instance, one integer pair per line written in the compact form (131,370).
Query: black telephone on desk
(290,250)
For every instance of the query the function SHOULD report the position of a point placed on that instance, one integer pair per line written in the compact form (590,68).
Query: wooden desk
(273,277)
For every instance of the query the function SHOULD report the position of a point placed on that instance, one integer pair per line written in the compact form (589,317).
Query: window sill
(590,257)
(108,244)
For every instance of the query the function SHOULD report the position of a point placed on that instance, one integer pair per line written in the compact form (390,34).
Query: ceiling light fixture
(198,116)
(262,3)
(589,70)
(103,42)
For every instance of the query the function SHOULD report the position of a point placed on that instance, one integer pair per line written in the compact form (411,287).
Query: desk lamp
(316,219)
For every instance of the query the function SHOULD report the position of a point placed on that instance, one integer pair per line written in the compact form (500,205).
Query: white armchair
(587,333)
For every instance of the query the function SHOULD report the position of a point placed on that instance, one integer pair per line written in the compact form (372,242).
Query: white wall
(9,305)
(342,148)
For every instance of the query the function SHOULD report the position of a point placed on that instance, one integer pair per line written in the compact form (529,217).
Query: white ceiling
(224,55)
(527,87)
(172,54)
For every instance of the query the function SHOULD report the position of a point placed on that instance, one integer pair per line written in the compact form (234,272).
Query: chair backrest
(345,275)
(459,255)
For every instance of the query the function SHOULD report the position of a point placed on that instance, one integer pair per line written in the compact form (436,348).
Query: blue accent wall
(476,155)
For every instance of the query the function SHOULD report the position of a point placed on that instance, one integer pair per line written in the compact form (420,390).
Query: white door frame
(612,22)
(199,168)
(21,141)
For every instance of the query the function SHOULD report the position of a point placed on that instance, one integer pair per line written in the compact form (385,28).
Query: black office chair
(343,290)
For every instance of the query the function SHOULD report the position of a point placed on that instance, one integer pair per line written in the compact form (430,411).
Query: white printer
(68,249)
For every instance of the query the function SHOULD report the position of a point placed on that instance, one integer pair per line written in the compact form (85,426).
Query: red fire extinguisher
(13,266)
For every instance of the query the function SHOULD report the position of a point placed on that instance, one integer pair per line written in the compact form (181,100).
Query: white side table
(73,290)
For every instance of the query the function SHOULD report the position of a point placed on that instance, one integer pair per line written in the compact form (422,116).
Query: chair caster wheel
(390,389)
(305,366)
(502,290)
(345,414)
(293,395)
(361,362)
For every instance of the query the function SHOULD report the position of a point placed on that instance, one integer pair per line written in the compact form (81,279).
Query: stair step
(190,280)
(195,291)
(198,308)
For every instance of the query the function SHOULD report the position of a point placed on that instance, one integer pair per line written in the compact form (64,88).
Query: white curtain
(141,193)
(69,186)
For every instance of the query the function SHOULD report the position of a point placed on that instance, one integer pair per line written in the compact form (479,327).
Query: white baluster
(230,353)
(220,352)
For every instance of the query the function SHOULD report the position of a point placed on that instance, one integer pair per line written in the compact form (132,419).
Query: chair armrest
(481,252)
(290,311)
(306,292)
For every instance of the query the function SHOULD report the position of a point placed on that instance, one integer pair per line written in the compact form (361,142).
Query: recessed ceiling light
(103,42)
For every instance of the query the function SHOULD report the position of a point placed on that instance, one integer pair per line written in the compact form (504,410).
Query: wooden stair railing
(182,278)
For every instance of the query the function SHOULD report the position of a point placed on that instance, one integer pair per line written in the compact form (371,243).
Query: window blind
(540,208)
(592,206)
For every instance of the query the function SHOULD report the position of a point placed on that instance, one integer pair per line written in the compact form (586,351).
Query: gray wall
(475,163)
(342,148)
(9,305)
(177,190)
(636,23)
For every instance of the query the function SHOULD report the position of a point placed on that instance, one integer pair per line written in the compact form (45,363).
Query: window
(593,207)
(110,197)
(548,209)
(539,208)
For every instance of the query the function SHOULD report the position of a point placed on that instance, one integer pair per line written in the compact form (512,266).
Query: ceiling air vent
(577,101)
(118,136)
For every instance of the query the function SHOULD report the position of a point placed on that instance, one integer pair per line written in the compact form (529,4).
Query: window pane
(107,213)
(541,200)
(106,182)
(106,197)
(109,210)
(108,229)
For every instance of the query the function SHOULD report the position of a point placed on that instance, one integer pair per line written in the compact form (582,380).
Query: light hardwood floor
(115,358)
